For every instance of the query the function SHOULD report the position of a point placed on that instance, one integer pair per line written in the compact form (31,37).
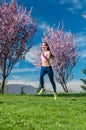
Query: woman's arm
(47,57)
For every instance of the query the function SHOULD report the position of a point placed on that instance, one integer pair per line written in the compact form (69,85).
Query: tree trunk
(64,84)
(65,87)
(3,84)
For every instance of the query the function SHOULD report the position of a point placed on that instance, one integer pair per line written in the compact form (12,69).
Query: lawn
(31,112)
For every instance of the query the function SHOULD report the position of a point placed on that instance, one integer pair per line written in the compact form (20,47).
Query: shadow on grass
(1,102)
(64,95)
(45,95)
(72,95)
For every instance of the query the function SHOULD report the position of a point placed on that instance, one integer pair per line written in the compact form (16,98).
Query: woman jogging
(46,68)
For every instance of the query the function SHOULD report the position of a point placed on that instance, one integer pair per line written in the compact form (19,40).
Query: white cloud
(80,39)
(74,85)
(30,56)
(23,70)
(43,25)
(74,5)
(84,15)
(77,4)
(71,10)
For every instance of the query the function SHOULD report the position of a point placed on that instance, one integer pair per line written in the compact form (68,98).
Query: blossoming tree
(64,53)
(17,29)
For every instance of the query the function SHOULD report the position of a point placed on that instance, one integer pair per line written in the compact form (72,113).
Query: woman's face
(44,47)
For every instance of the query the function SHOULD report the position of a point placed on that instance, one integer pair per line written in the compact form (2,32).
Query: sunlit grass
(31,112)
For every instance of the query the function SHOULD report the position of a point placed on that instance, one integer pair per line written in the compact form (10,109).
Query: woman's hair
(48,48)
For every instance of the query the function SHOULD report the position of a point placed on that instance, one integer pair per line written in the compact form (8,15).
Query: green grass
(31,112)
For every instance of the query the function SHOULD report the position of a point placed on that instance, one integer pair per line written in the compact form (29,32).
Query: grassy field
(31,112)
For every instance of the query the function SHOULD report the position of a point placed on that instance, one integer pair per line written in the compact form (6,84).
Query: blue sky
(47,13)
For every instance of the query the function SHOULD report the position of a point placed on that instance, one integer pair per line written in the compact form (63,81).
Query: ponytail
(48,48)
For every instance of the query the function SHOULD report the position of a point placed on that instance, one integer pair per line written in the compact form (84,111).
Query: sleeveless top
(43,58)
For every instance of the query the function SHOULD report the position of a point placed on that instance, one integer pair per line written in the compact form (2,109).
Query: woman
(46,68)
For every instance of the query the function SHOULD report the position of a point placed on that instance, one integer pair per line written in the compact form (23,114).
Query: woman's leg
(51,77)
(42,73)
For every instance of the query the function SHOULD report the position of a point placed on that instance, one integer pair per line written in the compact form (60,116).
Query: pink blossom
(63,48)
(17,29)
